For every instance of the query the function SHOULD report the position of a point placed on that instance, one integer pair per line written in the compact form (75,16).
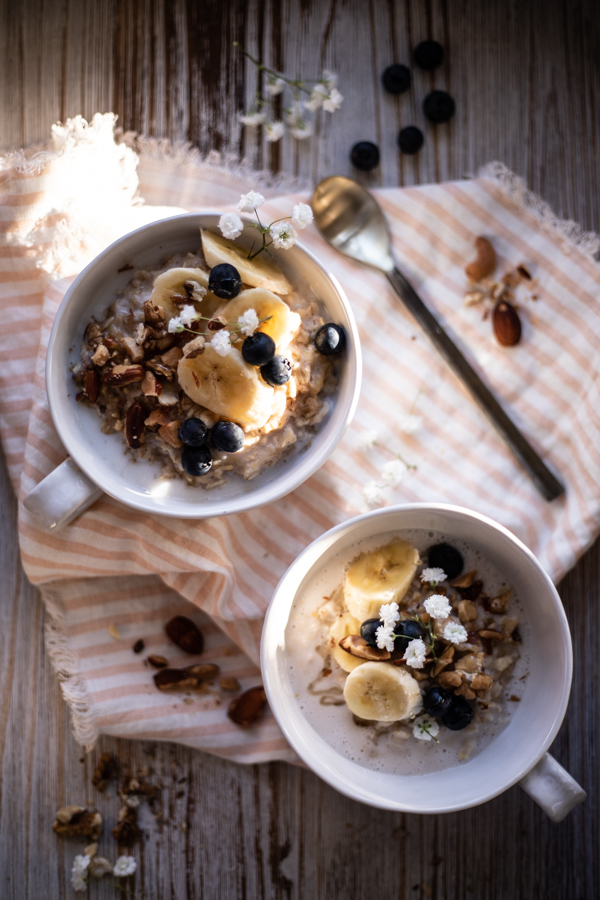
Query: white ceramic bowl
(534,722)
(103,458)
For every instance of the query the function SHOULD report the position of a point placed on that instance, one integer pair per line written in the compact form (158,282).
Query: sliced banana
(283,324)
(170,283)
(381,576)
(258,272)
(382,692)
(226,385)
(344,624)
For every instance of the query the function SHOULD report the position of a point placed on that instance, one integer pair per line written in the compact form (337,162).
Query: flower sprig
(322,93)
(282,232)
(97,866)
(221,342)
(426,729)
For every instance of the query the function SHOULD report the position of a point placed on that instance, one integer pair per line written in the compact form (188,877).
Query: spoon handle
(548,486)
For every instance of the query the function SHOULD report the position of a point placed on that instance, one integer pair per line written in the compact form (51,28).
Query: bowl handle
(61,496)
(553,788)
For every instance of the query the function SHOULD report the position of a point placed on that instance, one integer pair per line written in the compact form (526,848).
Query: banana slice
(379,577)
(226,385)
(171,282)
(258,272)
(283,324)
(382,692)
(344,625)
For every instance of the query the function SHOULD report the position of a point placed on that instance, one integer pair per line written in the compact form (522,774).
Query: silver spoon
(350,219)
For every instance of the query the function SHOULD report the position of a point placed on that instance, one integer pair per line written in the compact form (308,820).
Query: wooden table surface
(525,79)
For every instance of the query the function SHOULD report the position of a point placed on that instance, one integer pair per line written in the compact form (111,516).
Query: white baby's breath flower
(455,633)
(274,131)
(333,101)
(124,866)
(388,613)
(301,130)
(315,101)
(384,638)
(302,215)
(231,226)
(394,472)
(188,315)
(275,85)
(221,343)
(283,234)
(248,321)
(411,424)
(415,654)
(252,118)
(433,576)
(78,873)
(250,202)
(329,79)
(372,493)
(426,729)
(175,325)
(437,606)
(366,440)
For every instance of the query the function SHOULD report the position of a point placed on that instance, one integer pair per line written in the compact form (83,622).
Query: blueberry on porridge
(210,364)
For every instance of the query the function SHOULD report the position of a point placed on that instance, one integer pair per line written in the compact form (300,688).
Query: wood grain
(525,79)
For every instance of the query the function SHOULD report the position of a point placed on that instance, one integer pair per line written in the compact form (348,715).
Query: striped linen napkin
(116,575)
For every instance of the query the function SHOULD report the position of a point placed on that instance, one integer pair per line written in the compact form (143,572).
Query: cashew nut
(484,264)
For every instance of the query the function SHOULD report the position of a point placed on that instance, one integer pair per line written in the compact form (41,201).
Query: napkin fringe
(66,666)
(514,187)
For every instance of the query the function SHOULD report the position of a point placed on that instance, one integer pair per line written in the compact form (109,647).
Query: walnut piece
(133,349)
(101,355)
(467,611)
(170,434)
(103,771)
(76,821)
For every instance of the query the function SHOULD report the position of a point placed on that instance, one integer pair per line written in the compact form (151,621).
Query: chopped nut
(450,679)
(119,376)
(114,632)
(524,271)
(91,849)
(103,771)
(126,831)
(484,264)
(170,434)
(138,646)
(91,385)
(133,349)
(186,634)
(465,691)
(169,395)
(141,333)
(499,604)
(231,684)
(203,672)
(159,662)
(357,646)
(514,698)
(154,315)
(172,357)
(194,290)
(467,611)
(470,663)
(465,580)
(217,323)
(471,592)
(158,417)
(509,625)
(248,707)
(472,298)
(159,367)
(482,682)
(101,356)
(194,348)
(488,635)
(77,821)
(134,424)
(175,680)
(444,660)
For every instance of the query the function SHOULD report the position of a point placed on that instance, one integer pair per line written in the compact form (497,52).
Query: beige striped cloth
(116,575)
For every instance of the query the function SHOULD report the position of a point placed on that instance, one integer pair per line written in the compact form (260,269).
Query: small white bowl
(103,458)
(534,723)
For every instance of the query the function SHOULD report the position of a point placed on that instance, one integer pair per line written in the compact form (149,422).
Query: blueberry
(396,79)
(224,281)
(408,630)
(228,436)
(277,371)
(196,460)
(446,557)
(193,432)
(365,156)
(410,139)
(258,349)
(438,106)
(429,55)
(459,714)
(437,701)
(368,629)
(330,339)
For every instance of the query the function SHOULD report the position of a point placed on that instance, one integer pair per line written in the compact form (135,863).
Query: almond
(186,634)
(484,264)
(507,325)
(229,684)
(134,424)
(248,707)
(175,680)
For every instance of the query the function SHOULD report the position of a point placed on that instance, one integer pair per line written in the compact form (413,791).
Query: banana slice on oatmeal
(379,577)
(282,324)
(227,386)
(258,272)
(343,625)
(381,692)
(185,286)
